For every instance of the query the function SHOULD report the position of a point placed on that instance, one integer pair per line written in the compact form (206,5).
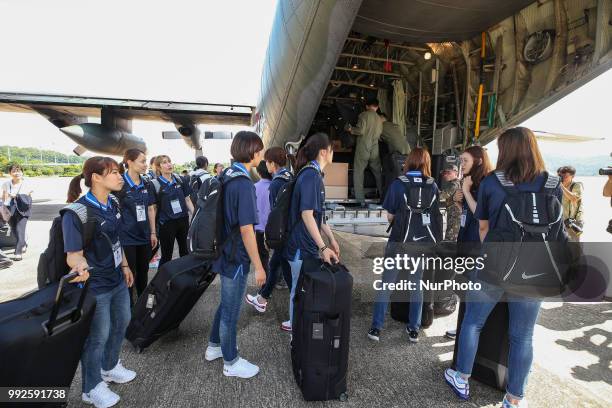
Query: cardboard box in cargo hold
(336,192)
(336,174)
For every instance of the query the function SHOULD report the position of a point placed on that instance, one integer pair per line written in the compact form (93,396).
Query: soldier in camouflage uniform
(450,185)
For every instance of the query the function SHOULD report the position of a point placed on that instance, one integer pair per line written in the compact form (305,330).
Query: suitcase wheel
(343,397)
(138,349)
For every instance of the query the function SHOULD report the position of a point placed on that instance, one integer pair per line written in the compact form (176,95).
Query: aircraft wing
(69,109)
(560,137)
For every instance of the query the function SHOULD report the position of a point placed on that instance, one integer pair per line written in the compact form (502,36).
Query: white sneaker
(213,353)
(101,396)
(240,368)
(254,301)
(119,374)
(286,326)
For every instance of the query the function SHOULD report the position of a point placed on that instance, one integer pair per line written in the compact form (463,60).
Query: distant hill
(33,155)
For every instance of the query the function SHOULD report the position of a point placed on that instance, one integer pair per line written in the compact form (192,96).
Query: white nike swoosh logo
(525,276)
(418,239)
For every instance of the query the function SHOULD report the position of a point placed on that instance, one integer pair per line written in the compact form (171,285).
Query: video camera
(605,172)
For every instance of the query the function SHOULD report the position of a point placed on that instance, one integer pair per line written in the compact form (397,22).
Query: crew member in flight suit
(368,130)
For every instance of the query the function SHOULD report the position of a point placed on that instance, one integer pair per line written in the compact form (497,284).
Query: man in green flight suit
(368,130)
(393,137)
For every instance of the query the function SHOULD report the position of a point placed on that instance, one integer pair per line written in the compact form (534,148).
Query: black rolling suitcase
(42,335)
(168,299)
(491,363)
(321,330)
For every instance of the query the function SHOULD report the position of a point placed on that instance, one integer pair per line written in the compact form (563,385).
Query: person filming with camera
(572,202)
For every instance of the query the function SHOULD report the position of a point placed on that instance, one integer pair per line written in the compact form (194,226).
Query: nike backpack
(527,251)
(418,220)
(205,235)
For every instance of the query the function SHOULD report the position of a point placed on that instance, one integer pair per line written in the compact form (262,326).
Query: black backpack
(204,238)
(195,183)
(277,229)
(419,220)
(52,262)
(527,252)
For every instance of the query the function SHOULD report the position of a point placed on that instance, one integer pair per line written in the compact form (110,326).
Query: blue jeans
(296,267)
(103,345)
(276,261)
(523,316)
(416,300)
(223,331)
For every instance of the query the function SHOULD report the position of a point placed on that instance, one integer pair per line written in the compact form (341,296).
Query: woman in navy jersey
(475,166)
(418,173)
(137,199)
(173,206)
(109,278)
(521,163)
(239,252)
(276,161)
(307,213)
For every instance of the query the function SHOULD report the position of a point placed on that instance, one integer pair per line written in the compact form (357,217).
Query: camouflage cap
(450,167)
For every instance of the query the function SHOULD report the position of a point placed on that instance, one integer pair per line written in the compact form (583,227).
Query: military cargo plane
(448,73)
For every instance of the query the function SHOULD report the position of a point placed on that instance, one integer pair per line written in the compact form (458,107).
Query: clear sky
(207,50)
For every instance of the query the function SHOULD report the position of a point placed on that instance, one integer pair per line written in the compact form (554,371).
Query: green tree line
(37,162)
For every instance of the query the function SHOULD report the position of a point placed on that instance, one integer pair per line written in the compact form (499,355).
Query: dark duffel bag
(400,302)
(491,363)
(401,310)
(7,238)
(321,330)
(168,299)
(42,335)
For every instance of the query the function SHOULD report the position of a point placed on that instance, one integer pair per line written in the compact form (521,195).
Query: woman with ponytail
(109,278)
(520,162)
(307,212)
(138,210)
(174,207)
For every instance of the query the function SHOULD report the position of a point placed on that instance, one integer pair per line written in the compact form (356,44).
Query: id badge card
(117,254)
(176,206)
(426,219)
(463,217)
(141,214)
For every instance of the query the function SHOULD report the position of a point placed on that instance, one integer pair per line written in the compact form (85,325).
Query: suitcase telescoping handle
(50,325)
